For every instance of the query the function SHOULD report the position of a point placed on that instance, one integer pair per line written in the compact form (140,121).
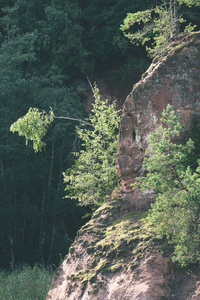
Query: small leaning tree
(176,211)
(158,26)
(93,177)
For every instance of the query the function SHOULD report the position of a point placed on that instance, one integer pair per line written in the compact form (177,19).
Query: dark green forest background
(48,50)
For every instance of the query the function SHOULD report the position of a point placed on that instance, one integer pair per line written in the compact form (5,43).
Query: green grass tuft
(28,283)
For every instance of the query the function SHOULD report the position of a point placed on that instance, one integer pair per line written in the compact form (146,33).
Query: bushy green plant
(93,176)
(33,126)
(30,283)
(157,26)
(176,211)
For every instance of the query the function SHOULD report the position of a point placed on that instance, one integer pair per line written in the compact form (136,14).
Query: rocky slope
(112,256)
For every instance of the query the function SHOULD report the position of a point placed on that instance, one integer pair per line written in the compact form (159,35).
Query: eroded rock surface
(112,258)
(174,80)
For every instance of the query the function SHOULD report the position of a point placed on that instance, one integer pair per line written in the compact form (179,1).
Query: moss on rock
(116,240)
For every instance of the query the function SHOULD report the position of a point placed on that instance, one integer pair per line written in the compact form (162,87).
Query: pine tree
(176,211)
(156,27)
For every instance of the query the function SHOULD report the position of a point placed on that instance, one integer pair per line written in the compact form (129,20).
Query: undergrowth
(25,283)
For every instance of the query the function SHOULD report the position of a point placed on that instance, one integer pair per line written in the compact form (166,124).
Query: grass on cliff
(25,283)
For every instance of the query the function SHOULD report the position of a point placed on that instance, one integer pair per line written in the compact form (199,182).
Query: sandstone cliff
(112,258)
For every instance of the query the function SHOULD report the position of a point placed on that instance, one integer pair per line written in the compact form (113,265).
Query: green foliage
(33,126)
(101,19)
(25,283)
(56,26)
(32,184)
(93,176)
(46,47)
(176,211)
(156,27)
(189,2)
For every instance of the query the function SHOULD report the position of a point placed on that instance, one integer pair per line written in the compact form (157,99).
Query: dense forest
(49,51)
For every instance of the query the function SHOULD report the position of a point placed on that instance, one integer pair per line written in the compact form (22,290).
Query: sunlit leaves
(93,176)
(33,126)
(189,2)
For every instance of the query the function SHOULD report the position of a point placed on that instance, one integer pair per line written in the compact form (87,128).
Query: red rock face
(174,80)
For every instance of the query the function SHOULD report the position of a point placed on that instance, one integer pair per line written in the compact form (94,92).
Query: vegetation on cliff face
(48,49)
(156,27)
(93,177)
(109,247)
(176,211)
(115,241)
(117,238)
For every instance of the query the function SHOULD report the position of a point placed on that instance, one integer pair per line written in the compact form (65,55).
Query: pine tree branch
(178,179)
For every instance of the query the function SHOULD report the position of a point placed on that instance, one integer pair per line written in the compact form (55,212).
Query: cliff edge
(112,256)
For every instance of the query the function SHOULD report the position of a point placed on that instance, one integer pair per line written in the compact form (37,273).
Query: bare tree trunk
(176,18)
(54,217)
(66,237)
(173,17)
(12,262)
(48,200)
(41,238)
(169,12)
(23,233)
(52,242)
(51,170)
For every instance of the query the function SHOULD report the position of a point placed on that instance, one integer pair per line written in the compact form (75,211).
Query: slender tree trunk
(51,170)
(48,201)
(173,18)
(52,242)
(66,237)
(23,233)
(12,254)
(41,238)
(55,205)
(176,17)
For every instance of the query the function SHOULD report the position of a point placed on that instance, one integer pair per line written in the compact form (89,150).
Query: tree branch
(177,177)
(72,119)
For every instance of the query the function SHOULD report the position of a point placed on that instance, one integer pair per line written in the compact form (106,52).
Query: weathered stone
(174,80)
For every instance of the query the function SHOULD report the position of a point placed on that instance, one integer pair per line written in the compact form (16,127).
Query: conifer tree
(156,27)
(176,211)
